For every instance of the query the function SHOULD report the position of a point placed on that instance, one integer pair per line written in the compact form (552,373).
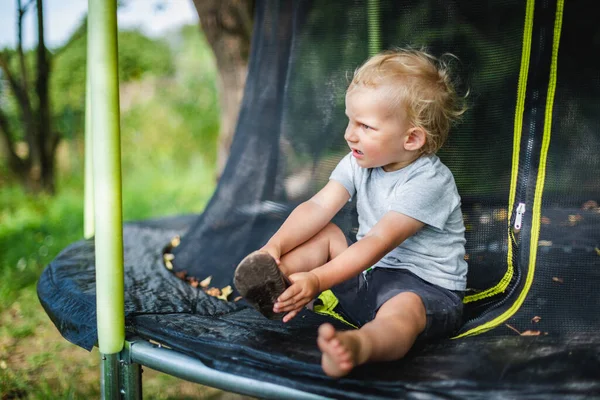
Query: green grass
(32,231)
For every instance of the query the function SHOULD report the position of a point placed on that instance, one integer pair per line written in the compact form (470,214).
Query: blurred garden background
(169,128)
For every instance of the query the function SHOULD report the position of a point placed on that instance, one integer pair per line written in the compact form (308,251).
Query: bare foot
(341,350)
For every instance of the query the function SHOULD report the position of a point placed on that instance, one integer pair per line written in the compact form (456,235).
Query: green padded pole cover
(107,175)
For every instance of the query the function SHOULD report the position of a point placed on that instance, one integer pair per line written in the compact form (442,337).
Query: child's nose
(350,135)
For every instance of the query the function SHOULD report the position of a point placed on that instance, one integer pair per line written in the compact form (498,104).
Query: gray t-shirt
(424,190)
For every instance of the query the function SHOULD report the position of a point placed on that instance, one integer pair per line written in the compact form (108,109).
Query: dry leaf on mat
(536,319)
(213,291)
(225,292)
(531,333)
(205,282)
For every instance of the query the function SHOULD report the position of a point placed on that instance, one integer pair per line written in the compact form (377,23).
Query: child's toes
(326,331)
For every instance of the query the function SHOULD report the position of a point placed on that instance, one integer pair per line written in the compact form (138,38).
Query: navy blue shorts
(361,297)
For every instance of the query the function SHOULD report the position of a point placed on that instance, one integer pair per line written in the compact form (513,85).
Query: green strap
(327,308)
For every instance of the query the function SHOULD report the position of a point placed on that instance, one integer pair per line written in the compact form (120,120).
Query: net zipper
(516,219)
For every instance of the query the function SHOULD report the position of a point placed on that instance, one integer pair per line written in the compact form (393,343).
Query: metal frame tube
(191,369)
(109,376)
(131,375)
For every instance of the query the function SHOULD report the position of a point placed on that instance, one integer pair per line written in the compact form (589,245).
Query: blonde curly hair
(421,83)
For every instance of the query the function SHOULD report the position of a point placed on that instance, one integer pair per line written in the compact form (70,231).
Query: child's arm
(387,234)
(308,219)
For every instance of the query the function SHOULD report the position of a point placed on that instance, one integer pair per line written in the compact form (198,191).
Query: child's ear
(415,139)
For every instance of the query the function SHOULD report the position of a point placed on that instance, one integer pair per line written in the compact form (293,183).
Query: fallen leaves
(528,332)
(205,282)
(531,333)
(225,292)
(574,219)
(500,214)
(168,258)
(222,294)
(590,205)
(557,279)
(536,319)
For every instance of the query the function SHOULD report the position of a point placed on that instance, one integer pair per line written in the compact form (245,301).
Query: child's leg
(324,246)
(388,337)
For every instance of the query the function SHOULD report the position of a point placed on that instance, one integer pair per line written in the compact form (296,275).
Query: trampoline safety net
(529,141)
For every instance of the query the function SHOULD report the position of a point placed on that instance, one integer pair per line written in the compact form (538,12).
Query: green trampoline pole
(374,26)
(104,90)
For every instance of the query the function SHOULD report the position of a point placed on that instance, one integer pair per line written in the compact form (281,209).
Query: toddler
(404,277)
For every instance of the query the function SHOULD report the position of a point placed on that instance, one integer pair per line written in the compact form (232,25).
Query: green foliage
(139,56)
(183,110)
(169,126)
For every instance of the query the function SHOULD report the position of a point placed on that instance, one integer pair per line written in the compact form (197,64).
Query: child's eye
(365,127)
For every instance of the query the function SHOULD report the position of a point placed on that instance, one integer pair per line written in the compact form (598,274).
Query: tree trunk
(47,140)
(36,169)
(227,25)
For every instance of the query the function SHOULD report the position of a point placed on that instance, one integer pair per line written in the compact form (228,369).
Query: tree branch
(26,6)
(13,159)
(21,11)
(25,107)
(17,89)
(44,133)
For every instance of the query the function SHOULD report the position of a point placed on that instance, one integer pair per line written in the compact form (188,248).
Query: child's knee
(337,240)
(406,307)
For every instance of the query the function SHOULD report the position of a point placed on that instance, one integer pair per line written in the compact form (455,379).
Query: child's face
(377,136)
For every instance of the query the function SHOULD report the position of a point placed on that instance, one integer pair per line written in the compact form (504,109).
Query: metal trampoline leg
(131,376)
(109,376)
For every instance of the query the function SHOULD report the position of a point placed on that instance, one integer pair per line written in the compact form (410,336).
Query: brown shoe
(259,280)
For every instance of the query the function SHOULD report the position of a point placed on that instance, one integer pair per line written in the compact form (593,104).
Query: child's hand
(305,286)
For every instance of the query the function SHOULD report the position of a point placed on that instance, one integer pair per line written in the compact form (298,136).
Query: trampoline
(525,162)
